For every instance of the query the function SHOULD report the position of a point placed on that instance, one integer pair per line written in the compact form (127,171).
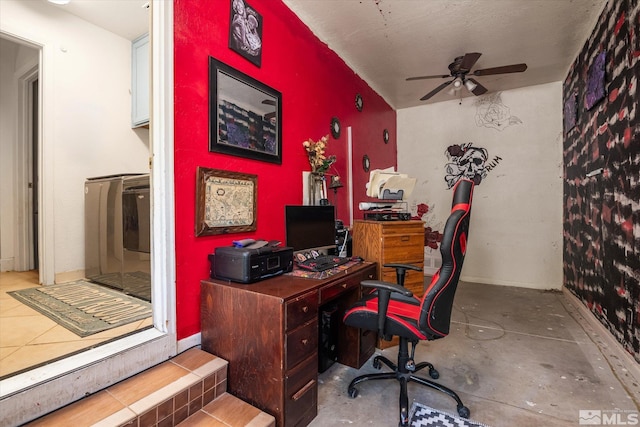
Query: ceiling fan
(460,67)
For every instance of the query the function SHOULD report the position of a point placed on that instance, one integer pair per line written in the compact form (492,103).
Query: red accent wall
(316,85)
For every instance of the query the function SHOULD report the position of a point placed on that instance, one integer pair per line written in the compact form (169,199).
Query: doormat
(84,308)
(424,416)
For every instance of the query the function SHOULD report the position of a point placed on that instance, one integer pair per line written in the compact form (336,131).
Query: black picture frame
(245,115)
(245,31)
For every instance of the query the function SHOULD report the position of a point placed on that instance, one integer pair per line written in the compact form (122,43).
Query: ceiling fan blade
(479,89)
(269,102)
(469,60)
(515,68)
(436,90)
(269,116)
(438,76)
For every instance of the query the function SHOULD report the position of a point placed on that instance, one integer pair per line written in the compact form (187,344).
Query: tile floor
(27,338)
(517,357)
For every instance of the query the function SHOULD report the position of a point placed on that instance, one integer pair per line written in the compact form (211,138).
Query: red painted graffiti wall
(316,85)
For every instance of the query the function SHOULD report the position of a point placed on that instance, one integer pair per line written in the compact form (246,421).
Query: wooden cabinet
(140,78)
(268,332)
(387,242)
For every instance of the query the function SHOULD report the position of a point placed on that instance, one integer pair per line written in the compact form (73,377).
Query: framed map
(225,202)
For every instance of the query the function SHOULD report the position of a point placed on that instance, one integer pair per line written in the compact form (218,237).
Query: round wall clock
(366,163)
(385,136)
(335,127)
(359,102)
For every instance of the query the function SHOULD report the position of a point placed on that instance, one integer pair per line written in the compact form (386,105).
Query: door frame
(32,394)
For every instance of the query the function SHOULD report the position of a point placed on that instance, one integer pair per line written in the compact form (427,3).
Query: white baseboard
(185,344)
(7,264)
(69,276)
(490,281)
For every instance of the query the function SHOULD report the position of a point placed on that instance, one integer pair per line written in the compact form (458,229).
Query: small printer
(247,265)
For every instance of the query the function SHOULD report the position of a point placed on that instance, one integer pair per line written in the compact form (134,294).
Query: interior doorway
(27,164)
(20,117)
(35,140)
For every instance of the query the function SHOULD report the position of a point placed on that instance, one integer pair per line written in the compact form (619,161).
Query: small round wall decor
(335,127)
(359,102)
(366,163)
(385,136)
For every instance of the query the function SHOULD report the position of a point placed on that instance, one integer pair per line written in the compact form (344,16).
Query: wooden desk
(268,332)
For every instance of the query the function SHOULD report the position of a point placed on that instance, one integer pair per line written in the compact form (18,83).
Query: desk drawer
(301,393)
(331,291)
(301,343)
(301,310)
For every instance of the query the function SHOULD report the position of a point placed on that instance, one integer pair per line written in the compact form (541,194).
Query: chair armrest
(384,294)
(391,287)
(405,266)
(401,270)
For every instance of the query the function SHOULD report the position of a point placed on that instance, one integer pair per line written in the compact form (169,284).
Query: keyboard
(323,262)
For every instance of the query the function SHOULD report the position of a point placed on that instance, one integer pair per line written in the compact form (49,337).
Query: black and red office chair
(392,310)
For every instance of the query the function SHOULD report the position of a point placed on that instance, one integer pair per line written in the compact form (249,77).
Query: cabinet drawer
(405,249)
(301,343)
(401,227)
(403,240)
(301,393)
(301,310)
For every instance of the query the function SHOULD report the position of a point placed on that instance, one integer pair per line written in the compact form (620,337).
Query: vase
(317,189)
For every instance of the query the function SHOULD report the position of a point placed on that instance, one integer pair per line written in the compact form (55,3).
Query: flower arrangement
(319,162)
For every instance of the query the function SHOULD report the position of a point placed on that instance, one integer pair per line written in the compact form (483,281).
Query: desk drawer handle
(303,390)
(305,309)
(405,238)
(305,341)
(344,286)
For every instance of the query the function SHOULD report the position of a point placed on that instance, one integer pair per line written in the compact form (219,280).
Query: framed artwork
(595,81)
(226,202)
(245,116)
(245,31)
(570,112)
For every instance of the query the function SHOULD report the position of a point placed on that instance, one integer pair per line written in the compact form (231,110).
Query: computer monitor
(310,227)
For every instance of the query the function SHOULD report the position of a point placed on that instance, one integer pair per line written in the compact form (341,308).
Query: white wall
(515,236)
(8,98)
(86,116)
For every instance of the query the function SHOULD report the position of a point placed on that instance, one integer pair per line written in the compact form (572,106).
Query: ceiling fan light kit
(460,67)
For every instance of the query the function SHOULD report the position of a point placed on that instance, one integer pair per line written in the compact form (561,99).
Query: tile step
(192,384)
(228,410)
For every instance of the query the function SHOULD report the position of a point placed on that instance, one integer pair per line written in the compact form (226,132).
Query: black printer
(247,265)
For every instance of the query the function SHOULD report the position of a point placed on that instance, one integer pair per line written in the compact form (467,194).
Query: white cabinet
(140,81)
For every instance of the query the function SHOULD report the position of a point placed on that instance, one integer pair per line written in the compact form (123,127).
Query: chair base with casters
(404,372)
(392,310)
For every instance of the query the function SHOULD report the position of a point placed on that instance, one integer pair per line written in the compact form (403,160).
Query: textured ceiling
(126,18)
(386,41)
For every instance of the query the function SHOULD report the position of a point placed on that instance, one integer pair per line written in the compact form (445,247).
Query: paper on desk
(388,179)
(399,182)
(377,178)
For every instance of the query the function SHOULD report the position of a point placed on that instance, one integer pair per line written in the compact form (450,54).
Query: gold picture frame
(225,202)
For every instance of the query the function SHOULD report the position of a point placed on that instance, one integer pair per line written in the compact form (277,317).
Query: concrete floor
(517,357)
